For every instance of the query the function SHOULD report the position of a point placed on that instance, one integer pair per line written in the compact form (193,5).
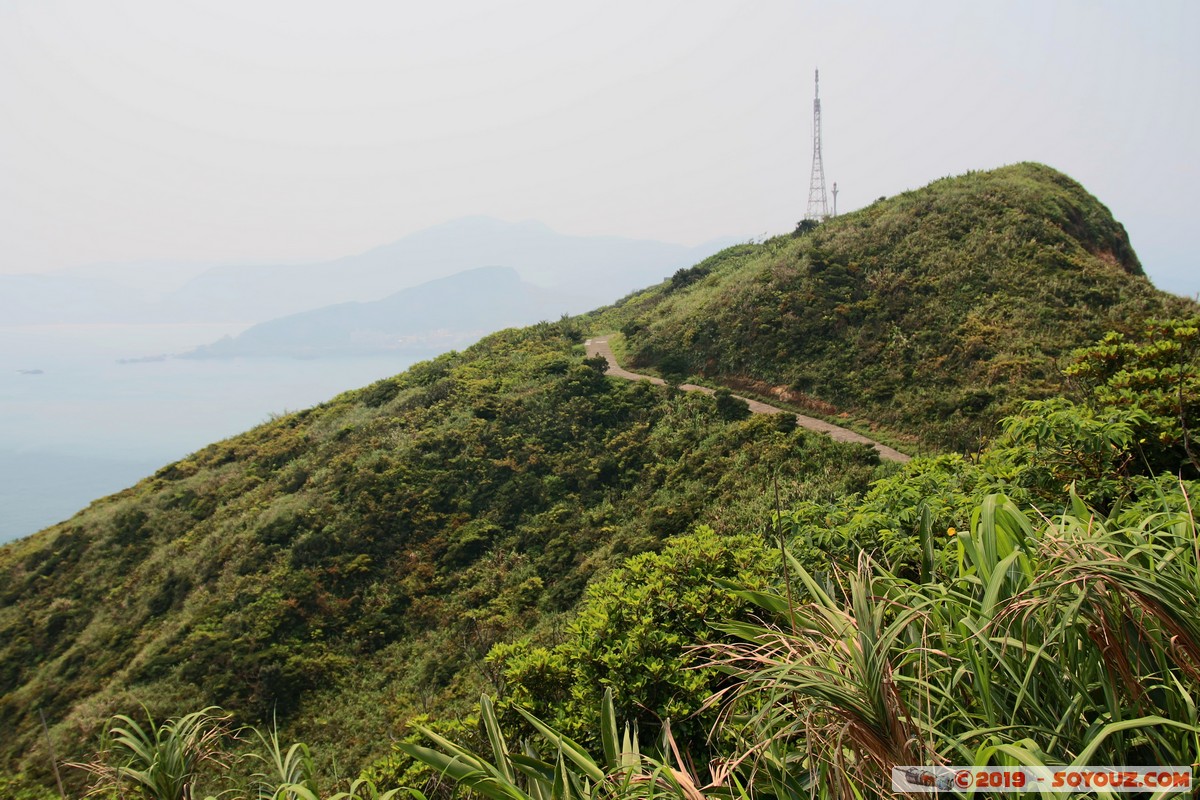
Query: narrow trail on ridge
(598,346)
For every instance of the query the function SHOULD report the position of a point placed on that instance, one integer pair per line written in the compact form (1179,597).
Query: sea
(88,410)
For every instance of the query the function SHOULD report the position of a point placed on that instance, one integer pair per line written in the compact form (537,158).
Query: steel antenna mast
(818,207)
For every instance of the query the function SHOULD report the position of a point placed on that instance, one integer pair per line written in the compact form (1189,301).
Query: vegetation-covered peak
(934,312)
(1022,198)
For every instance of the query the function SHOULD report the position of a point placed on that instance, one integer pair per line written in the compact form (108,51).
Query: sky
(294,131)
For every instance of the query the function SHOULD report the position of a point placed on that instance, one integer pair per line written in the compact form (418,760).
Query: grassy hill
(934,312)
(348,569)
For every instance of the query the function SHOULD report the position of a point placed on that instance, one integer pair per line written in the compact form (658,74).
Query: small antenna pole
(835,198)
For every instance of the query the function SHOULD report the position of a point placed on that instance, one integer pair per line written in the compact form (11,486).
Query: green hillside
(357,560)
(379,560)
(934,312)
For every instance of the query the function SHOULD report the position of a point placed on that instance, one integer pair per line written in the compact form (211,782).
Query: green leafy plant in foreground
(164,761)
(159,761)
(563,768)
(1072,640)
(1067,640)
(1064,640)
(290,773)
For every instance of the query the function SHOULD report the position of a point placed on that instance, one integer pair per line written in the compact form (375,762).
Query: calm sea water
(76,424)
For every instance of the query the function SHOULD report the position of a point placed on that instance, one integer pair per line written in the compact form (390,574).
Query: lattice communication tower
(818,207)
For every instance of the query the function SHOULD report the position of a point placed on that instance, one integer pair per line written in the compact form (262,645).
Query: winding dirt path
(598,346)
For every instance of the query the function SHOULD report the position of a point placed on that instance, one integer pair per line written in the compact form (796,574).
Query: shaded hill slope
(932,312)
(348,567)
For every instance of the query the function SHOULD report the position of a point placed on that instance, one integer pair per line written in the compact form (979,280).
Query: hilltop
(349,568)
(934,312)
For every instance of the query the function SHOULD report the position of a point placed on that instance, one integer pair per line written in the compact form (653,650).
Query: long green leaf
(608,731)
(470,775)
(496,738)
(569,747)
(1085,756)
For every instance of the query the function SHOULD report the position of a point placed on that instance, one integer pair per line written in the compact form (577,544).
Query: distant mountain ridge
(430,318)
(596,269)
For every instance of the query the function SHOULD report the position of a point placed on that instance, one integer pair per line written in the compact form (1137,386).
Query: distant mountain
(433,317)
(597,269)
(594,269)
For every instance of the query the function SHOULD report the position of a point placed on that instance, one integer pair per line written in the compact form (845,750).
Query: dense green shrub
(1151,376)
(634,633)
(19,787)
(731,408)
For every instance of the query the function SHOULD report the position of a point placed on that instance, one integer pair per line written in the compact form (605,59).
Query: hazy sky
(285,130)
